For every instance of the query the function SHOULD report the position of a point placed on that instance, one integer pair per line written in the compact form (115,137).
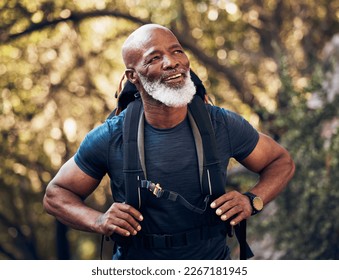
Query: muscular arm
(274,165)
(64,199)
(275,168)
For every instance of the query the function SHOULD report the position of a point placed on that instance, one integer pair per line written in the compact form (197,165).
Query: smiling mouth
(173,77)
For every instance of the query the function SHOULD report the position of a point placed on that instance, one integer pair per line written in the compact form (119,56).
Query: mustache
(170,73)
(185,73)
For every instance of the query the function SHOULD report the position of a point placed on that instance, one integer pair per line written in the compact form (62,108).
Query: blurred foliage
(60,65)
(307,219)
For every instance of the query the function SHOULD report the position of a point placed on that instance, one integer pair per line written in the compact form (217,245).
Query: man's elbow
(48,199)
(290,166)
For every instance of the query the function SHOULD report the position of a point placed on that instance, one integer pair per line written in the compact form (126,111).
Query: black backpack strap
(132,170)
(167,241)
(212,182)
(240,233)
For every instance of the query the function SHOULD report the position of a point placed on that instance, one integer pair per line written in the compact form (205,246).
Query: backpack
(134,167)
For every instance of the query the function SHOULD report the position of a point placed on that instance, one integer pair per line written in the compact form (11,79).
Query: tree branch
(75,17)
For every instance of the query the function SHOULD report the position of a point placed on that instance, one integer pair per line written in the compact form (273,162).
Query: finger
(120,215)
(219,201)
(128,222)
(224,198)
(224,208)
(118,230)
(131,210)
(238,219)
(238,213)
(123,227)
(232,212)
(127,213)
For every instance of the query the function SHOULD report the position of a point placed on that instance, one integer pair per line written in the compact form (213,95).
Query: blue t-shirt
(171,160)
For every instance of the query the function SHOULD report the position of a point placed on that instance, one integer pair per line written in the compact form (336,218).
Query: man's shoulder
(115,124)
(222,118)
(220,114)
(103,133)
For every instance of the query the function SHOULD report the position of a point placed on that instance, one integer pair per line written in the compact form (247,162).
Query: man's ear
(131,75)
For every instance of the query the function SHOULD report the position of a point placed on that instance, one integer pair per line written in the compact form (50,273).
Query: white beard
(171,97)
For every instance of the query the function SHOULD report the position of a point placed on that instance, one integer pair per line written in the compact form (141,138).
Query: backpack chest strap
(159,192)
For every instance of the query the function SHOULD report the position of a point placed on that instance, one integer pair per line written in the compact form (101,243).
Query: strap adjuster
(155,189)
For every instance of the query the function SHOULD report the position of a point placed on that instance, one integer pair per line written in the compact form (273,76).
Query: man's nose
(169,62)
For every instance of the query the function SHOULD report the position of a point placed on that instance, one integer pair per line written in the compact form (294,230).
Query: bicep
(70,177)
(265,152)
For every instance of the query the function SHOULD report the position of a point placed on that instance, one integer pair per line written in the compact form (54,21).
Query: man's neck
(163,117)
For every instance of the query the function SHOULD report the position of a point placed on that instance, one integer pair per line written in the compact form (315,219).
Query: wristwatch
(256,202)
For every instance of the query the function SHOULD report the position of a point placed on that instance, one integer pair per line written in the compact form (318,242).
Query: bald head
(134,45)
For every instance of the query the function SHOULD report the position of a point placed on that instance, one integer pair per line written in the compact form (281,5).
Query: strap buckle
(155,189)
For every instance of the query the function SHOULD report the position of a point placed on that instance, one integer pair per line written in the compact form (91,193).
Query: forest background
(275,62)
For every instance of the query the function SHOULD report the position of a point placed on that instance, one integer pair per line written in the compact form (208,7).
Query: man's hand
(275,168)
(232,204)
(120,218)
(65,196)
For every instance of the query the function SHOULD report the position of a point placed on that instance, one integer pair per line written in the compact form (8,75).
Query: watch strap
(251,197)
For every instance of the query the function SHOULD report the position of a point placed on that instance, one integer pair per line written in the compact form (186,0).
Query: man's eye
(154,58)
(178,51)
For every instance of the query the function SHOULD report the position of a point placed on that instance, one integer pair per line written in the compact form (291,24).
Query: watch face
(258,203)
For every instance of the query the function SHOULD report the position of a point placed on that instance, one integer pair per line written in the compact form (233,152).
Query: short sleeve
(233,132)
(243,137)
(91,156)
